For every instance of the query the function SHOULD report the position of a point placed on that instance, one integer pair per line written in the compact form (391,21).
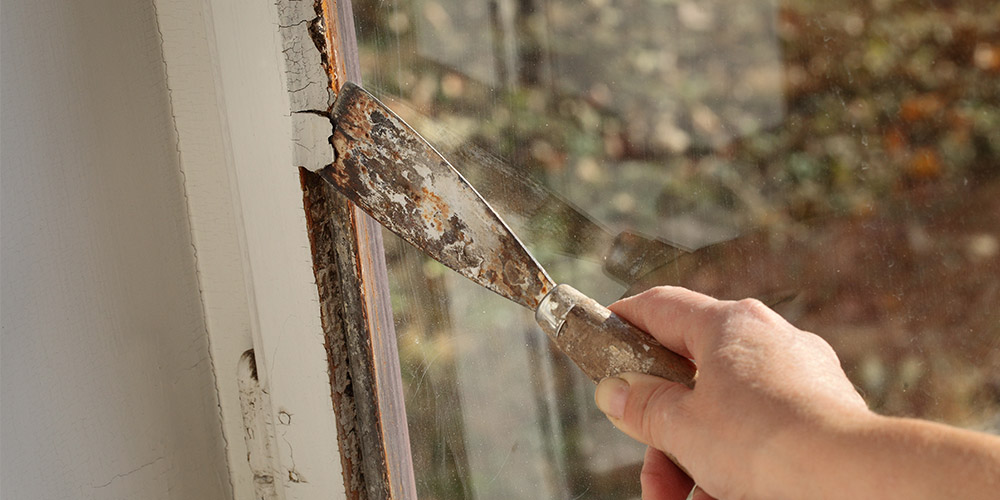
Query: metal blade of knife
(398,178)
(424,200)
(543,216)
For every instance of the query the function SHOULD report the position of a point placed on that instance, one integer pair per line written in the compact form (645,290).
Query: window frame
(356,312)
(241,118)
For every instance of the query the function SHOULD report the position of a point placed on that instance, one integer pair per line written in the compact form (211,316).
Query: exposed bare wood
(361,346)
(326,223)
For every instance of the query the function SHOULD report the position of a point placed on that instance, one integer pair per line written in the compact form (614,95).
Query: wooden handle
(602,344)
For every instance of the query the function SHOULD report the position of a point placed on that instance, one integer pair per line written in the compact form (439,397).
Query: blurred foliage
(858,143)
(879,98)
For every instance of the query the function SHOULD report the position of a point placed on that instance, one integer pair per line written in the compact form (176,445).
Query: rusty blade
(399,179)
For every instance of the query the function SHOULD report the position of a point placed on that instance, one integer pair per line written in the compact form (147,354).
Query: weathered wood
(349,266)
(325,222)
(361,346)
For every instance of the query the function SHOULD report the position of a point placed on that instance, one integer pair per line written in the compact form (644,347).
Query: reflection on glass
(836,161)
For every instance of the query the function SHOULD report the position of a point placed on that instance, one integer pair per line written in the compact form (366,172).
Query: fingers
(672,315)
(644,407)
(661,479)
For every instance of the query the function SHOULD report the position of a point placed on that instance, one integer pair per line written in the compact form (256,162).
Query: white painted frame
(226,75)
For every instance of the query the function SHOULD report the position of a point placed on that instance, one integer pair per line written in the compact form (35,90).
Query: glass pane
(838,161)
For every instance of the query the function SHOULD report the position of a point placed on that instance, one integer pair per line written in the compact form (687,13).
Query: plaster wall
(106,383)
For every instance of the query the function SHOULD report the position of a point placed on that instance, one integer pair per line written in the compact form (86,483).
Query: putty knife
(399,179)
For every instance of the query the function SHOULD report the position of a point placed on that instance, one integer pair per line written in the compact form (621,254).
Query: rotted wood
(360,341)
(350,272)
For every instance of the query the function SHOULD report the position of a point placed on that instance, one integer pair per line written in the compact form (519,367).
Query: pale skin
(773,416)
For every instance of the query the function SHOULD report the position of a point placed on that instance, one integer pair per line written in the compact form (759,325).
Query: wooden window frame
(286,266)
(350,269)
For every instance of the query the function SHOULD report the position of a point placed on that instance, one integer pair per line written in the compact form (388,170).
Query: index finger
(672,315)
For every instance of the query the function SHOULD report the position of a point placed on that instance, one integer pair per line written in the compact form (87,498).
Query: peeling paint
(258,429)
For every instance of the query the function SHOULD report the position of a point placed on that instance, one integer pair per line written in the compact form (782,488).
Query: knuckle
(822,346)
(737,315)
(664,292)
(753,307)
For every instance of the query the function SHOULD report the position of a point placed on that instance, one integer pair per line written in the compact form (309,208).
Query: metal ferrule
(552,310)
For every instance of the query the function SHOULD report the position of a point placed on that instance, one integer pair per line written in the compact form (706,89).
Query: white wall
(106,387)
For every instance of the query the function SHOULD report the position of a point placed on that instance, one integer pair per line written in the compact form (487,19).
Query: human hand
(763,385)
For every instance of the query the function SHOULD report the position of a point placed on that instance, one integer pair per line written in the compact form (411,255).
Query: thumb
(643,406)
(699,494)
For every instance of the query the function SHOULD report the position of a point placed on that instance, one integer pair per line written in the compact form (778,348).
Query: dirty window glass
(838,161)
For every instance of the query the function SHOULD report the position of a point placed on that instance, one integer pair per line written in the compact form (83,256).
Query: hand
(762,385)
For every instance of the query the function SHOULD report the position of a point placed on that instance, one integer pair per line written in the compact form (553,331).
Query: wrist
(872,456)
(812,457)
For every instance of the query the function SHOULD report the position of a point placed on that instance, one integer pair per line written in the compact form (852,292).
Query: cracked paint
(309,92)
(258,428)
(129,473)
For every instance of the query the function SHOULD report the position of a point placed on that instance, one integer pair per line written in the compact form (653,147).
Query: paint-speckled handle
(603,344)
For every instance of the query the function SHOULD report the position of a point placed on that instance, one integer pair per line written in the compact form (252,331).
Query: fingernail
(699,494)
(611,395)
